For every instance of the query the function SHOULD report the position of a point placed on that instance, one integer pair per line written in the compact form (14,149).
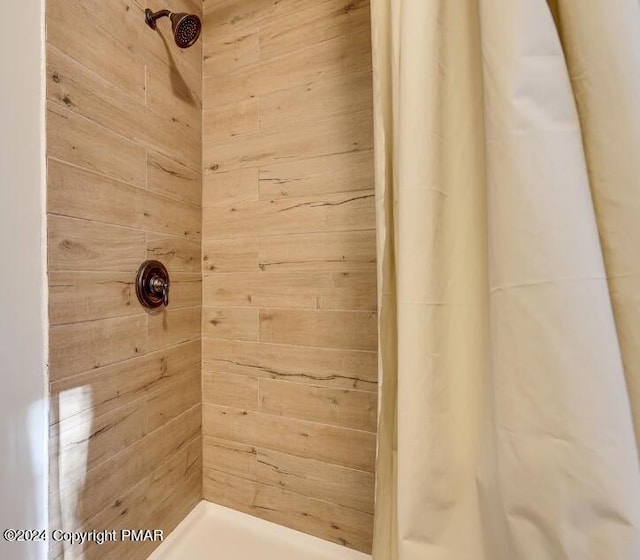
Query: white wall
(23,409)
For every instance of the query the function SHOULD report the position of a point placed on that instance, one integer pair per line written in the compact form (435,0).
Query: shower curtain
(507,137)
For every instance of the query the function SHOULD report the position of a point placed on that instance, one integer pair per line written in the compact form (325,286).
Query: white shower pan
(213,532)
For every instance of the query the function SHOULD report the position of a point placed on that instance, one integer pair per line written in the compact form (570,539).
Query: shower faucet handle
(161,287)
(152,285)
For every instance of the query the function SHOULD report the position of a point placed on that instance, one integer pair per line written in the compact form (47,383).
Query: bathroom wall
(23,409)
(289,323)
(124,185)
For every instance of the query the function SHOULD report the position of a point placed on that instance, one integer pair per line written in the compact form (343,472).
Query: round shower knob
(152,285)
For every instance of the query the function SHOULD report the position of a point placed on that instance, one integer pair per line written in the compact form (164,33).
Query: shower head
(186,27)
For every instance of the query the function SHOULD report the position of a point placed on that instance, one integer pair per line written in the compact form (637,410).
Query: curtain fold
(602,47)
(508,211)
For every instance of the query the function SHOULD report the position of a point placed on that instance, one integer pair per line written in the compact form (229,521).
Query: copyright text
(81,537)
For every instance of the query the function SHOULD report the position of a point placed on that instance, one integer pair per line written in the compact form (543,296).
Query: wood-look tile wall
(289,285)
(124,185)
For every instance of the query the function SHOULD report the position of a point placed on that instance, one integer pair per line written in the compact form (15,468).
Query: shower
(186,27)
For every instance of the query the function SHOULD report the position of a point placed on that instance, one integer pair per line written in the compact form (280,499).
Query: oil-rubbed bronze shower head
(186,27)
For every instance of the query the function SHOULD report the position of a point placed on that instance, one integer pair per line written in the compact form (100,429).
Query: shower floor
(212,531)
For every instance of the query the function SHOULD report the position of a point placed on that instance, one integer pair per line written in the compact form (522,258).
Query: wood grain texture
(93,45)
(170,178)
(92,95)
(283,135)
(76,449)
(330,329)
(326,213)
(107,483)
(230,390)
(124,144)
(314,290)
(172,485)
(179,254)
(174,99)
(81,142)
(293,139)
(288,261)
(75,192)
(346,526)
(351,171)
(316,23)
(235,323)
(325,367)
(308,477)
(173,326)
(225,13)
(230,52)
(79,347)
(89,246)
(227,121)
(336,95)
(87,296)
(339,407)
(337,251)
(123,17)
(322,442)
(337,56)
(230,187)
(107,388)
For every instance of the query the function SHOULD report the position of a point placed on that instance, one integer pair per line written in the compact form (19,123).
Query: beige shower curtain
(508,193)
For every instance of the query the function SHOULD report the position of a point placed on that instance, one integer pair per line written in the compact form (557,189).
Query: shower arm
(186,28)
(151,17)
